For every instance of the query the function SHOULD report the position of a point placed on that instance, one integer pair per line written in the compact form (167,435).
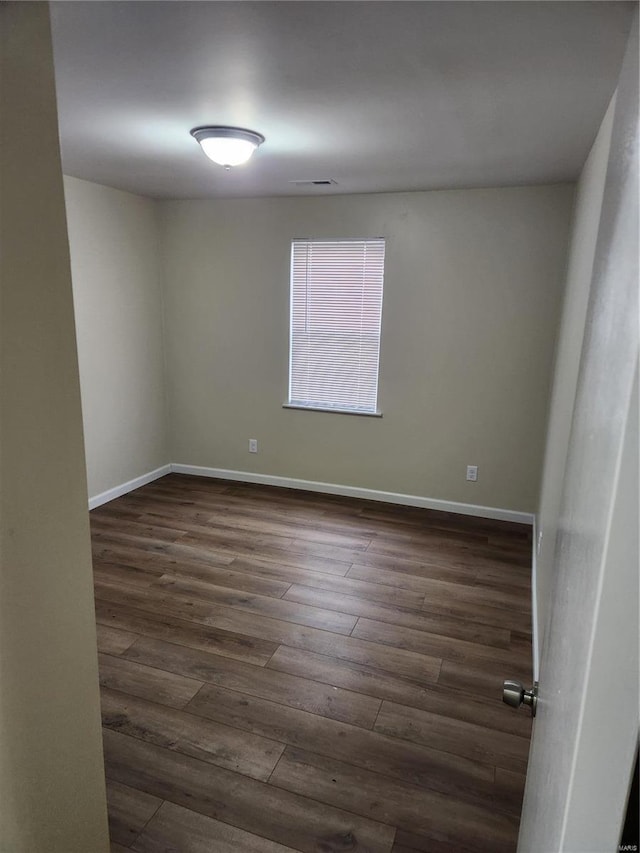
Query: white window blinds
(336,311)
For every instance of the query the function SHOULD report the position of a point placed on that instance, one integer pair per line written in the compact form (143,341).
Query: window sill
(376,414)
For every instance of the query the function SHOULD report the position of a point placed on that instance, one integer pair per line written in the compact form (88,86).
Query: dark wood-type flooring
(284,671)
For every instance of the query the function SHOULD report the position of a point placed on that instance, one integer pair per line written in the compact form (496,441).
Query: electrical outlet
(253,445)
(472,473)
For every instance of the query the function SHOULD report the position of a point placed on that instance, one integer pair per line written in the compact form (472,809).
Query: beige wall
(113,237)
(52,796)
(585,225)
(472,293)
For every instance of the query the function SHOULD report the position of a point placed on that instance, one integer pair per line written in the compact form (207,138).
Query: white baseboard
(535,627)
(123,488)
(356,492)
(314,486)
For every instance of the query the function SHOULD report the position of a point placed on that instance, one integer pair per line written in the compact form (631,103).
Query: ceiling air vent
(319,182)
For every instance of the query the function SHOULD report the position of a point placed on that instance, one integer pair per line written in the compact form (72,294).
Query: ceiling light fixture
(227,146)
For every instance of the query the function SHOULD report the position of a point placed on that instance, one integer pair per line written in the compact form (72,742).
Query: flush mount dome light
(227,146)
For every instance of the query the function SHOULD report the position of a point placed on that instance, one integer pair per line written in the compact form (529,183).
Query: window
(336,311)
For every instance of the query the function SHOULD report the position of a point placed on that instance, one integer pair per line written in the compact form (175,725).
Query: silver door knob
(514,694)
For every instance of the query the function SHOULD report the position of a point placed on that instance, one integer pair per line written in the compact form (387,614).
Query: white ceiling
(379,96)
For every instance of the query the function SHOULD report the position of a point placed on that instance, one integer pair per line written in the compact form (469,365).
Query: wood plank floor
(287,671)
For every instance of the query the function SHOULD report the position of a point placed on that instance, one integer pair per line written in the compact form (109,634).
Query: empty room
(319,427)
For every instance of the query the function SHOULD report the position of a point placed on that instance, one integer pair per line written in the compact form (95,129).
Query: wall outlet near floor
(253,445)
(472,473)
